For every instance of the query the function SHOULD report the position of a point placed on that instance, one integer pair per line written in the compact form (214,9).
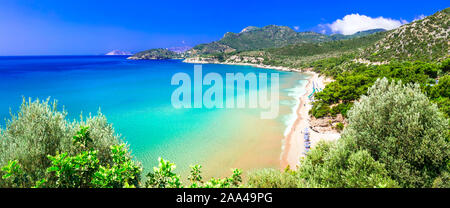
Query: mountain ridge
(425,40)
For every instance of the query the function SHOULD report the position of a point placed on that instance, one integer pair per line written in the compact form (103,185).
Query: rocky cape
(157,54)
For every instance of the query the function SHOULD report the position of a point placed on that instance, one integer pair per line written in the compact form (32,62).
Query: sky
(88,27)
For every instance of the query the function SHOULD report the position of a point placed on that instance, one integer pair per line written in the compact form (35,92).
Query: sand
(294,147)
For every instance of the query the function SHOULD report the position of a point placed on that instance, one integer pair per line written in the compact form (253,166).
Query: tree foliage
(398,126)
(351,84)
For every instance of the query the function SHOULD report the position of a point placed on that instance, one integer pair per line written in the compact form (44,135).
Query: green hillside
(271,36)
(425,40)
(253,38)
(304,54)
(159,53)
(356,35)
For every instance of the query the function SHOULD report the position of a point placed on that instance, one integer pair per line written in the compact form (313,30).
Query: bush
(445,66)
(332,165)
(319,109)
(124,173)
(164,176)
(399,127)
(79,171)
(36,131)
(14,175)
(340,108)
(39,130)
(271,178)
(339,126)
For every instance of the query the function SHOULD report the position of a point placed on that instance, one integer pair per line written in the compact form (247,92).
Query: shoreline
(279,68)
(293,147)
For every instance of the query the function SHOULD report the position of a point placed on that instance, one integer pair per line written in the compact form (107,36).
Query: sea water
(135,96)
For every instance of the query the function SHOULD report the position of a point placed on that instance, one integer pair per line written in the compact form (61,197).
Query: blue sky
(84,27)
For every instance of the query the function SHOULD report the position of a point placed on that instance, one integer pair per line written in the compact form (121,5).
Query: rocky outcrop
(326,124)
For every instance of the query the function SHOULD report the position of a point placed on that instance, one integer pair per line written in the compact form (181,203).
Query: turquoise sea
(135,96)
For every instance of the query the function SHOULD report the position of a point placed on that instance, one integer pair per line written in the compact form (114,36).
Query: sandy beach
(294,147)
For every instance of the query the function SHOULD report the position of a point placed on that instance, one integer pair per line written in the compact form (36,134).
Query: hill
(298,55)
(425,40)
(158,53)
(254,38)
(356,35)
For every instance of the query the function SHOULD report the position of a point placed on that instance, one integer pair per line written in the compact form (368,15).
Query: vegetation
(298,55)
(393,88)
(39,130)
(404,143)
(254,38)
(423,40)
(37,151)
(271,178)
(158,53)
(405,132)
(395,138)
(352,83)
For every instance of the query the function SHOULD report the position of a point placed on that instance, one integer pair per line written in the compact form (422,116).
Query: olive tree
(399,127)
(39,129)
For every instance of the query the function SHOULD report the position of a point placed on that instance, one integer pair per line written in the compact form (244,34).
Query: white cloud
(419,17)
(296,27)
(353,23)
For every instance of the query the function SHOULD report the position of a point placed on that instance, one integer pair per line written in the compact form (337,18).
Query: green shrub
(399,127)
(163,176)
(332,165)
(195,178)
(36,131)
(445,66)
(39,130)
(14,176)
(319,109)
(72,171)
(443,181)
(124,173)
(271,178)
(81,170)
(339,126)
(341,108)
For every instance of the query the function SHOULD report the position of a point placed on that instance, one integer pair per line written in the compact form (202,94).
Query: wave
(295,93)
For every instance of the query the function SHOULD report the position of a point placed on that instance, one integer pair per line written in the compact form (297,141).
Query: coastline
(293,147)
(279,68)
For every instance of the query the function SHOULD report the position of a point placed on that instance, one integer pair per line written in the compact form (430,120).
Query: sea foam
(295,93)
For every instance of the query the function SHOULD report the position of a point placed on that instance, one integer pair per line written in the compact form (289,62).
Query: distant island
(157,54)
